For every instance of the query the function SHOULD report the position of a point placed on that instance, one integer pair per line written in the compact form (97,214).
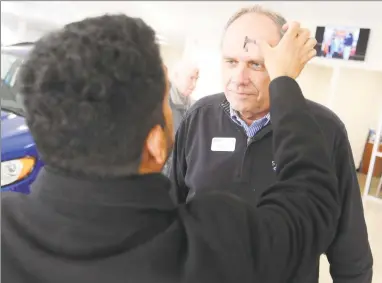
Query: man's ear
(156,145)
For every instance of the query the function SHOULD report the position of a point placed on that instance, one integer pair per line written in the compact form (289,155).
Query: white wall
(356,97)
(318,89)
(358,102)
(7,36)
(206,53)
(171,54)
(357,92)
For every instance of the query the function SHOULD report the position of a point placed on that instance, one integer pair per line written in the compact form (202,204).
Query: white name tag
(223,144)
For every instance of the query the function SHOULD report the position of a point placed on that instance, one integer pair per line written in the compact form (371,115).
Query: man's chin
(243,105)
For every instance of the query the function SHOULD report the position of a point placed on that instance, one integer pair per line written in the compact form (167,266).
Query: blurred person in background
(182,84)
(335,45)
(97,105)
(348,45)
(225,142)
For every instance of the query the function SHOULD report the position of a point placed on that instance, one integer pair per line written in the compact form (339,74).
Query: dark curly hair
(93,91)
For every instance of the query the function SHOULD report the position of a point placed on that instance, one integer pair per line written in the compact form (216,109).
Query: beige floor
(373,215)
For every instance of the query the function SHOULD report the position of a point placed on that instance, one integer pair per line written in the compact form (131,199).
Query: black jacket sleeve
(296,219)
(349,255)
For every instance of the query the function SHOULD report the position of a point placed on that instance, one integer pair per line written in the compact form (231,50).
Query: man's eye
(257,66)
(230,62)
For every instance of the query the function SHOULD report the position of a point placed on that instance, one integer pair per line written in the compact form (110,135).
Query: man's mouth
(241,93)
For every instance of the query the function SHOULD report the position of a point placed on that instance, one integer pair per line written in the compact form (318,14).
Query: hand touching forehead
(243,69)
(254,27)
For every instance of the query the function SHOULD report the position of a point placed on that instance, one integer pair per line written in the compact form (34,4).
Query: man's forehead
(240,48)
(253,27)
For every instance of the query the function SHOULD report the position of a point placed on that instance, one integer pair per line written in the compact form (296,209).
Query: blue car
(20,162)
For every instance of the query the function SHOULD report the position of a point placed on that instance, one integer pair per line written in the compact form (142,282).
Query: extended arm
(296,218)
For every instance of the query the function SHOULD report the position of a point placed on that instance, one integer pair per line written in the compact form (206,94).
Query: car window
(7,61)
(11,100)
(14,77)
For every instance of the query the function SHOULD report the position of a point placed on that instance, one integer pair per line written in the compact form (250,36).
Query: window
(6,63)
(11,100)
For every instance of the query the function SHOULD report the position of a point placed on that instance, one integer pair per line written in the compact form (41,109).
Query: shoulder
(208,103)
(205,109)
(12,204)
(333,128)
(8,196)
(324,115)
(10,199)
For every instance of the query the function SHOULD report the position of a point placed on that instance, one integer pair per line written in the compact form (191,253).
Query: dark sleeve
(349,255)
(296,218)
(178,166)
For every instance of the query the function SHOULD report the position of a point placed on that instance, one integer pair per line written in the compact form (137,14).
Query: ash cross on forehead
(246,41)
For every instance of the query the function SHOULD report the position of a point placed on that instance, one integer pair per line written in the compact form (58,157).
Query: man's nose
(240,74)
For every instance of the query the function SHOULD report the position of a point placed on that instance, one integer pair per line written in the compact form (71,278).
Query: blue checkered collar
(255,127)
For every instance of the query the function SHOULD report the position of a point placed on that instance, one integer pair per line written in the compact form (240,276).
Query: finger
(309,56)
(293,28)
(263,46)
(310,43)
(303,35)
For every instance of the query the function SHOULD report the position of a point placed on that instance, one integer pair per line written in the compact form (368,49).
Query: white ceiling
(175,19)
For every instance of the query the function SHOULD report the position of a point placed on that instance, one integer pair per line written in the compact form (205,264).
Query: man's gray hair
(278,19)
(184,65)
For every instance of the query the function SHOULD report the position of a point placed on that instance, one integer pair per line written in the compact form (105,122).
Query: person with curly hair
(97,104)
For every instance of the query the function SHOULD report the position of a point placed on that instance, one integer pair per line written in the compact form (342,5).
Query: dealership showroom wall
(192,31)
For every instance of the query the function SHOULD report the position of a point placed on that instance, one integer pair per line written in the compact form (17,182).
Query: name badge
(223,144)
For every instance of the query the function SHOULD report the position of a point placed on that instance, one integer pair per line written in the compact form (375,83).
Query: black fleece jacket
(129,230)
(249,170)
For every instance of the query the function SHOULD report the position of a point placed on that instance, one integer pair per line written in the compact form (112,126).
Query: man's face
(245,79)
(186,80)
